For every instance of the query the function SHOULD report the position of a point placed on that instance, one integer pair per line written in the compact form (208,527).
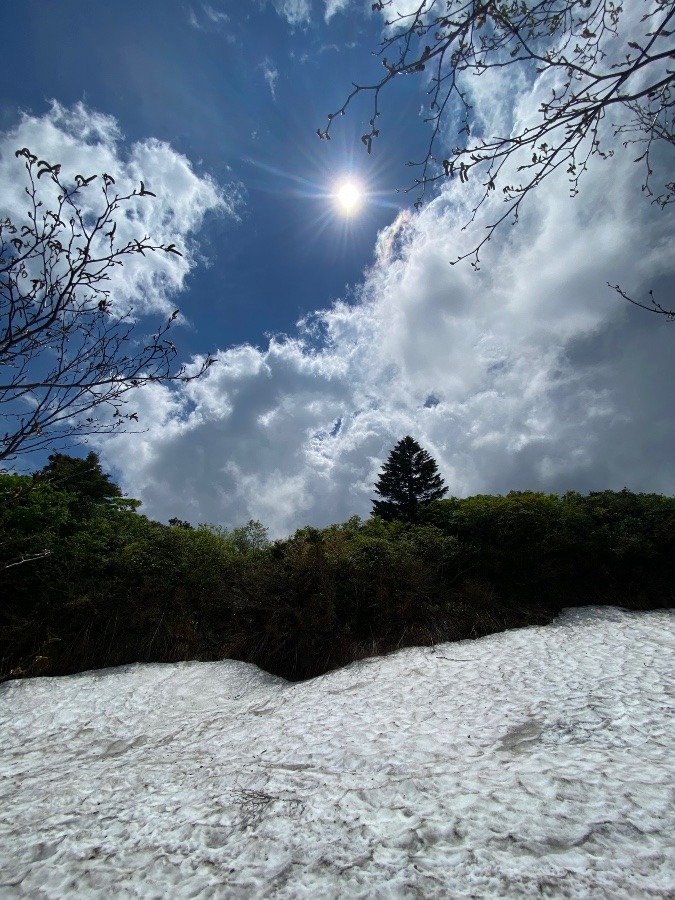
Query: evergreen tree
(409,479)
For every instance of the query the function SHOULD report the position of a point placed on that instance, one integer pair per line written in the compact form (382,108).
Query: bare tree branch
(68,355)
(599,68)
(30,557)
(652,306)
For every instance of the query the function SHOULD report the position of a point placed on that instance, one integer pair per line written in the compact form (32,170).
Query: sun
(348,197)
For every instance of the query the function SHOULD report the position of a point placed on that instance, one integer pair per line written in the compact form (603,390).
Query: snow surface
(533,763)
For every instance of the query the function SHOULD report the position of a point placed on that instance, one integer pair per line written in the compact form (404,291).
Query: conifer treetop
(408,480)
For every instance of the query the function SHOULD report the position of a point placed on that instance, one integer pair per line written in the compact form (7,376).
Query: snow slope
(533,763)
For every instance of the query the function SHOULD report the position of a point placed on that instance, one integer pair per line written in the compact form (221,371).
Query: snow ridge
(532,763)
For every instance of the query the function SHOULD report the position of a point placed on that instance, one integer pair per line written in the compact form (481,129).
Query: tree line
(88,581)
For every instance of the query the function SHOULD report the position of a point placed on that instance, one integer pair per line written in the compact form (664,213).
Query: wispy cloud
(335,6)
(296,12)
(270,74)
(213,15)
(192,19)
(206,17)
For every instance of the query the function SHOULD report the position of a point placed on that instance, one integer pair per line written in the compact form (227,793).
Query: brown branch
(652,306)
(462,40)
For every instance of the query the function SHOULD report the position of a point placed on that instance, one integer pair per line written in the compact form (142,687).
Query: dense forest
(89,582)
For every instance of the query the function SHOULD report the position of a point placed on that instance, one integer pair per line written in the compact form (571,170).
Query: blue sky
(241,96)
(335,335)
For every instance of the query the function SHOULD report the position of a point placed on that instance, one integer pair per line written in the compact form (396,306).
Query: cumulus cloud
(87,142)
(528,374)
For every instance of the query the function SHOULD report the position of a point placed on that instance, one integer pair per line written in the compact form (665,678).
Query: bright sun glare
(349,197)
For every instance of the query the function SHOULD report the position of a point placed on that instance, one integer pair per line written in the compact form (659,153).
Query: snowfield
(533,763)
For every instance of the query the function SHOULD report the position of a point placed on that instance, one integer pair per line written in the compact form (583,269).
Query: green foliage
(30,507)
(88,582)
(326,597)
(408,481)
(250,538)
(114,587)
(85,479)
(569,549)
(31,515)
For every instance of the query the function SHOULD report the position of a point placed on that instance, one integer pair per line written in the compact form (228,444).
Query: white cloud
(296,12)
(208,18)
(335,6)
(270,74)
(213,15)
(528,374)
(87,142)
